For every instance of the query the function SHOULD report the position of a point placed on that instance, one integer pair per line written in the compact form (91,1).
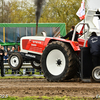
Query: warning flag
(81,12)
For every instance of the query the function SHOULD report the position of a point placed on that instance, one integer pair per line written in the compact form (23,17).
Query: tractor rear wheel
(59,62)
(96,74)
(15,61)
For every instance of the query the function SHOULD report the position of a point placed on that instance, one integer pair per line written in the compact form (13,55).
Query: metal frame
(76,29)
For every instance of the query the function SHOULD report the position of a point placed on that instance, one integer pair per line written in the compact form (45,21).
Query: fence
(25,66)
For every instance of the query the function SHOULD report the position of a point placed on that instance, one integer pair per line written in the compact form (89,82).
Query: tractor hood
(32,44)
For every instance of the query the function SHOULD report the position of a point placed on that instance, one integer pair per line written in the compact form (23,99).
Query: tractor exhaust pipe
(38,5)
(37,20)
(36,29)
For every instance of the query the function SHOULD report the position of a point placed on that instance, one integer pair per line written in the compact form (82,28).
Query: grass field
(21,77)
(47,98)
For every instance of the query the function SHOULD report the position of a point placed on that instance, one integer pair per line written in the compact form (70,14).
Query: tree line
(54,11)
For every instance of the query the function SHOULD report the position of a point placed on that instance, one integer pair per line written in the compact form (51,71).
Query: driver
(70,34)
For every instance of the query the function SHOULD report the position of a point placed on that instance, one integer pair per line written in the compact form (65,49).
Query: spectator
(12,51)
(94,45)
(5,60)
(98,12)
(1,61)
(3,48)
(8,51)
(5,57)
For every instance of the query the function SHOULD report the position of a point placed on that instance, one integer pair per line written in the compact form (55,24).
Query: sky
(93,4)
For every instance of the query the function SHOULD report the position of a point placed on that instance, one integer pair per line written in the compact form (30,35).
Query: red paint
(39,46)
(74,44)
(81,42)
(32,45)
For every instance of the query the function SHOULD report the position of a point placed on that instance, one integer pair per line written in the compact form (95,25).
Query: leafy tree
(57,11)
(61,11)
(21,12)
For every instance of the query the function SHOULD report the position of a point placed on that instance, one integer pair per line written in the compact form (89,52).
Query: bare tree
(4,11)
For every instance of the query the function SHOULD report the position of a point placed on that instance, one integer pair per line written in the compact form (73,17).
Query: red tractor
(60,59)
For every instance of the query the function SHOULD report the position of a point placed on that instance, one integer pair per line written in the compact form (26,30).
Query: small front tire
(15,61)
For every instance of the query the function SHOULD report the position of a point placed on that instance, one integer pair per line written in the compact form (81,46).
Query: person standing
(94,45)
(8,51)
(1,61)
(12,51)
(98,15)
(5,57)
(70,34)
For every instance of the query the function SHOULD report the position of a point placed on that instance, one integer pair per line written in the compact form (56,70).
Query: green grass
(22,77)
(47,98)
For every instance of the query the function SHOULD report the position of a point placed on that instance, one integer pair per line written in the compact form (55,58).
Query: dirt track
(40,87)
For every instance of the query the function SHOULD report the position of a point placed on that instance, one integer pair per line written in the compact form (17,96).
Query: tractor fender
(74,44)
(81,42)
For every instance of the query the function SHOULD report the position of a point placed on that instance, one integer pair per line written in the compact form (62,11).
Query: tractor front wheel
(15,61)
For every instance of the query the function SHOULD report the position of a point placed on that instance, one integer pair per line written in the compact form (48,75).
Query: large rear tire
(15,61)
(59,62)
(96,74)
